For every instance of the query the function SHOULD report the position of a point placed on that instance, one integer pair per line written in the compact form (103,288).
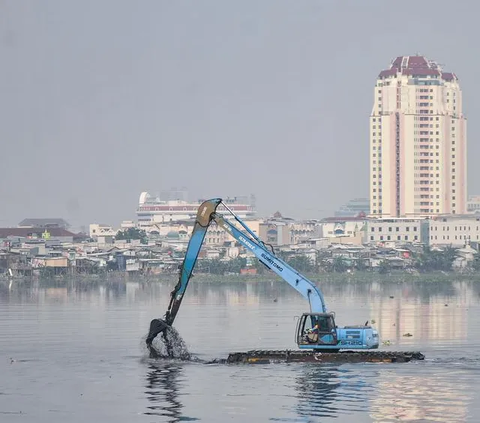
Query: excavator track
(279,356)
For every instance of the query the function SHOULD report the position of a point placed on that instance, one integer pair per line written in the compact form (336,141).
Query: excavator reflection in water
(316,329)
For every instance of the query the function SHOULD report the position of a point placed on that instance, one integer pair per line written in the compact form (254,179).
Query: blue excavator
(316,329)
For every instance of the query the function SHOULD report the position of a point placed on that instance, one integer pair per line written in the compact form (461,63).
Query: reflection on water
(433,311)
(163,385)
(386,393)
(426,397)
(317,391)
(86,338)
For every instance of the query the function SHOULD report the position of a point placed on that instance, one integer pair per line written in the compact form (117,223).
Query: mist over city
(104,100)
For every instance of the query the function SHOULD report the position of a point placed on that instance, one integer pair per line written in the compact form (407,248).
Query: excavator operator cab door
(316,329)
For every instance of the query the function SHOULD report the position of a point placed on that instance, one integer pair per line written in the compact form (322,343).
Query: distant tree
(260,267)
(324,261)
(384,267)
(236,264)
(430,260)
(212,266)
(361,265)
(220,267)
(132,234)
(475,264)
(339,265)
(301,263)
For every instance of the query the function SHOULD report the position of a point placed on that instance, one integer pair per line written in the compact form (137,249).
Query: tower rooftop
(416,66)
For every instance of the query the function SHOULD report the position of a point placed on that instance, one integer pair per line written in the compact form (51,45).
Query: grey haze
(101,100)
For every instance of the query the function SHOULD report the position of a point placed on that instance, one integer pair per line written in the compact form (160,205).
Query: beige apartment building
(418,165)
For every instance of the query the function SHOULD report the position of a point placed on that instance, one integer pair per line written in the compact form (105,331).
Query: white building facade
(398,230)
(152,210)
(456,231)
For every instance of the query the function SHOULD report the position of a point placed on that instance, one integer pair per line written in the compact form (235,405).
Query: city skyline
(97,110)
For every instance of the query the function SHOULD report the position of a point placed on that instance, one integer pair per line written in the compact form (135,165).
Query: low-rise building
(473,204)
(343,227)
(400,230)
(103,234)
(44,223)
(280,230)
(53,233)
(356,207)
(152,209)
(454,230)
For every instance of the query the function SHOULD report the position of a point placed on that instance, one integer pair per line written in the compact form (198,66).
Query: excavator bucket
(156,326)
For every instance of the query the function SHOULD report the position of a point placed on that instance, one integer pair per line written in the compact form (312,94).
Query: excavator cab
(317,330)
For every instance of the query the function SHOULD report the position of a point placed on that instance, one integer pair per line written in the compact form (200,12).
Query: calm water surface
(76,354)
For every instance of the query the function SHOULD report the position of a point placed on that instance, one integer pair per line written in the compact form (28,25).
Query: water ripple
(75,353)
(328,392)
(163,383)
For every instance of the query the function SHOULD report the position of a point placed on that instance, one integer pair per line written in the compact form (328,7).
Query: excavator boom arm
(203,220)
(207,213)
(304,286)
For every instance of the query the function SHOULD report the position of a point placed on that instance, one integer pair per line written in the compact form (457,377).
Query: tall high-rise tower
(418,141)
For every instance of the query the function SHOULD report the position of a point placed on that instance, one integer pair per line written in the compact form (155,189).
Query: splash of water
(171,345)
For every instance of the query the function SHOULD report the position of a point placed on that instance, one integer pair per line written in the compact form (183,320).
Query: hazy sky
(103,99)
